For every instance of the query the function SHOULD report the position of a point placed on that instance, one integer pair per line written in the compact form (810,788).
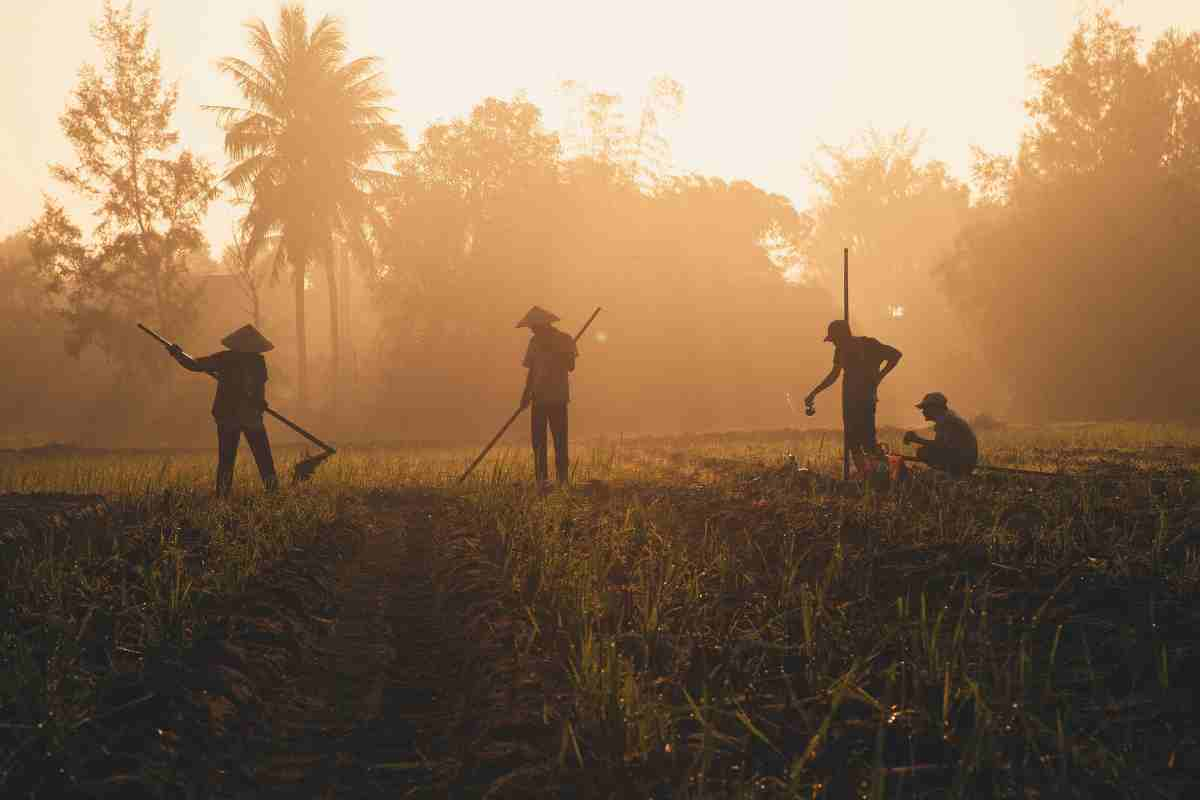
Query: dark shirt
(241,386)
(954,447)
(551,355)
(860,360)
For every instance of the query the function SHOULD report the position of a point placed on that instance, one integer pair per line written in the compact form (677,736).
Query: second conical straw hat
(537,316)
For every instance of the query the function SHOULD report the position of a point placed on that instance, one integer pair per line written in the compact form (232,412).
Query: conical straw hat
(537,316)
(247,339)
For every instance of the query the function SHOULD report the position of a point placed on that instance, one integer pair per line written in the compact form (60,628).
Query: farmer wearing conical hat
(550,357)
(241,373)
(953,448)
(866,362)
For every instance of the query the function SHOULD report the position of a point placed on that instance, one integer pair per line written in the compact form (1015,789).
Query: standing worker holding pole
(550,356)
(866,362)
(241,373)
(246,420)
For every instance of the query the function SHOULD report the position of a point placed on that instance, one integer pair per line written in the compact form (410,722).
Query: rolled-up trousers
(228,437)
(554,415)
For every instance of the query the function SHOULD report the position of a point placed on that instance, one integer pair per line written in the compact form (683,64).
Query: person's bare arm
(912,437)
(891,359)
(830,379)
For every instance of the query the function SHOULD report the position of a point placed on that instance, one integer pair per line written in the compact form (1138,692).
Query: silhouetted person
(953,448)
(861,358)
(238,407)
(551,355)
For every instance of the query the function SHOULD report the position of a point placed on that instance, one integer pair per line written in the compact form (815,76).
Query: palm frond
(258,87)
(327,41)
(262,44)
(251,136)
(245,172)
(358,70)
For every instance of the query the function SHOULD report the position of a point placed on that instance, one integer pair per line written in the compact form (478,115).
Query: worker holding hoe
(241,373)
(550,357)
(866,362)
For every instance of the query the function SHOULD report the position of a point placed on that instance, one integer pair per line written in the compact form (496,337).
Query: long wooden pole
(491,444)
(845,316)
(517,413)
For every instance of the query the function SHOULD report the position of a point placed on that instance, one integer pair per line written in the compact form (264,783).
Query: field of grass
(695,618)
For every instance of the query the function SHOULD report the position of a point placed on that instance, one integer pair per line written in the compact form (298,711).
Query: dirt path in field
(379,710)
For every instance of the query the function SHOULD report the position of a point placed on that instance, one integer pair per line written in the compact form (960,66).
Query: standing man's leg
(856,455)
(228,437)
(537,417)
(870,437)
(867,437)
(853,422)
(558,427)
(260,446)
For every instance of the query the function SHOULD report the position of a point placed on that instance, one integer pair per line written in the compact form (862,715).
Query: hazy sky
(766,82)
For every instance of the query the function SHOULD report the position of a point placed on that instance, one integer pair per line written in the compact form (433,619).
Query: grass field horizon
(1006,444)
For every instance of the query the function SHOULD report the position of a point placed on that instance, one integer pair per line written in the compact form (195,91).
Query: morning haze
(574,465)
(696,171)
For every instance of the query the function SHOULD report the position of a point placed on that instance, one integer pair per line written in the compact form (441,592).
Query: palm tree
(301,152)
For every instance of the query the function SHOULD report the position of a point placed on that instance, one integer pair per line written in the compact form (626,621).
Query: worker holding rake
(241,373)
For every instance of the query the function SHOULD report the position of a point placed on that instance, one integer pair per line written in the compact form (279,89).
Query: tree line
(1058,289)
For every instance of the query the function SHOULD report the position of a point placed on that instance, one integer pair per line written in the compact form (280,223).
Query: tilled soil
(392,701)
(371,681)
(22,513)
(340,671)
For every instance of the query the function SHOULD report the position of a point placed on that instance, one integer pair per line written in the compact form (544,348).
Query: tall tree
(303,150)
(469,190)
(898,214)
(490,220)
(150,203)
(895,214)
(651,148)
(596,128)
(1090,233)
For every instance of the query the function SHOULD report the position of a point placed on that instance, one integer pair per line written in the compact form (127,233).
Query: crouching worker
(953,448)
(241,373)
(550,357)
